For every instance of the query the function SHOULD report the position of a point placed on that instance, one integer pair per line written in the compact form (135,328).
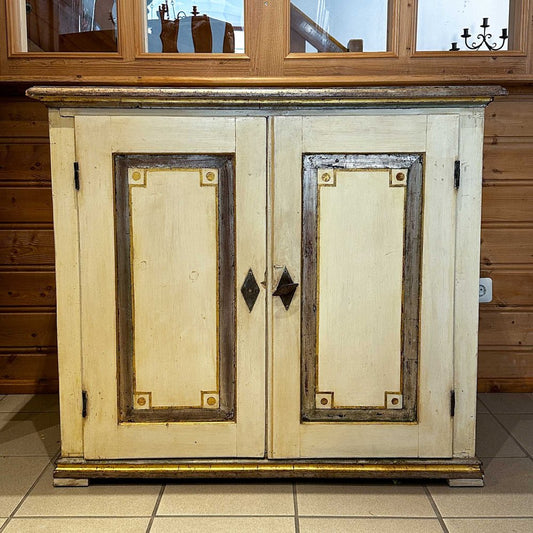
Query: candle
(504,33)
(485,23)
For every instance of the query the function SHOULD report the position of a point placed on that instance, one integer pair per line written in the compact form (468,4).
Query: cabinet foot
(70,482)
(478,482)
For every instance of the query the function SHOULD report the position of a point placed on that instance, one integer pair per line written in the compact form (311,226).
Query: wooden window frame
(267,59)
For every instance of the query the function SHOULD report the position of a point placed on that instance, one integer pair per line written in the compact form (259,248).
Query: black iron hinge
(452,403)
(84,404)
(76,175)
(457,174)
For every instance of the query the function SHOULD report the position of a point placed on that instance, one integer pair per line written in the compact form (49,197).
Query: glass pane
(443,22)
(211,26)
(339,25)
(71,25)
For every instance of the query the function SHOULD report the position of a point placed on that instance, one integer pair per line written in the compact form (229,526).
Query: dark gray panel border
(411,285)
(226,283)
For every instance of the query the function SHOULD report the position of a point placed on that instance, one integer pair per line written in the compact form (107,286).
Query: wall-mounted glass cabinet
(266,41)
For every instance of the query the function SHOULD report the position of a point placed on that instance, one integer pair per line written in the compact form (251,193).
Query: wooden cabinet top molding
(157,97)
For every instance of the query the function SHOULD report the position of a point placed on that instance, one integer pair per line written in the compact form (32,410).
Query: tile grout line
(370,518)
(307,517)
(436,510)
(23,499)
(156,507)
(296,515)
(506,430)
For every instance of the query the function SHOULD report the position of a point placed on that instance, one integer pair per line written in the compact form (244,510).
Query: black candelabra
(484,39)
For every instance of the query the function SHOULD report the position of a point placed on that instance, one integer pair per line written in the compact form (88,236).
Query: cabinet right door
(364,222)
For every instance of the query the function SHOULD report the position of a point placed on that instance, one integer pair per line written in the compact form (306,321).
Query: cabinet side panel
(466,282)
(68,283)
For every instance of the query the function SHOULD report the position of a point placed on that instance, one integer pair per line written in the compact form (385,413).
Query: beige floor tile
(362,500)
(30,403)
(521,427)
(481,409)
(508,402)
(369,525)
(507,492)
(77,525)
(227,499)
(493,525)
(224,524)
(493,441)
(95,500)
(29,434)
(17,475)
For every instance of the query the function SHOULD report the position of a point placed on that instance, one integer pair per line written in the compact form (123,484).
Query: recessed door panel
(176,285)
(360,286)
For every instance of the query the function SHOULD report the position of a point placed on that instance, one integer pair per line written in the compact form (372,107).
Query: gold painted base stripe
(110,469)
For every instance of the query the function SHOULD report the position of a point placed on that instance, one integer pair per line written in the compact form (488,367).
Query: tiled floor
(29,442)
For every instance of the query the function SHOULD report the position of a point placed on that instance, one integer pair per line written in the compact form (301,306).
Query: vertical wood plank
(65,205)
(250,195)
(436,334)
(97,277)
(285,402)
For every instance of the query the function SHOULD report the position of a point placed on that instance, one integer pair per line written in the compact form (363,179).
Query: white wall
(441,22)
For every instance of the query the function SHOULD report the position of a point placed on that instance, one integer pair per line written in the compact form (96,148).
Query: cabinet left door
(172,255)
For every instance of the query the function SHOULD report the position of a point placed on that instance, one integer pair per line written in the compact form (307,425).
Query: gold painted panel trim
(207,177)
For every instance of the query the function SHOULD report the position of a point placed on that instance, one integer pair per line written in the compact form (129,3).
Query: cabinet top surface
(157,97)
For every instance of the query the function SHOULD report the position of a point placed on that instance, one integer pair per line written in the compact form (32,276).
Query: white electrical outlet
(485,290)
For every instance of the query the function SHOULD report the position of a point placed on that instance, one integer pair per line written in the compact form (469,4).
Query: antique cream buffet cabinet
(267,282)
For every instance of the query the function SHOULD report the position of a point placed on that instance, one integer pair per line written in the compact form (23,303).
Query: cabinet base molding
(460,469)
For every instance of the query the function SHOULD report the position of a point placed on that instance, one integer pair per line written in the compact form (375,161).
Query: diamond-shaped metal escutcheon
(250,290)
(285,289)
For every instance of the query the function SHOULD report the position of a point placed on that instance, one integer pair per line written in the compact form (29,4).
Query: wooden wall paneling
(506,363)
(507,202)
(506,324)
(22,372)
(508,159)
(28,354)
(498,384)
(27,289)
(506,245)
(25,163)
(27,329)
(510,116)
(511,288)
(506,328)
(22,117)
(26,205)
(22,247)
